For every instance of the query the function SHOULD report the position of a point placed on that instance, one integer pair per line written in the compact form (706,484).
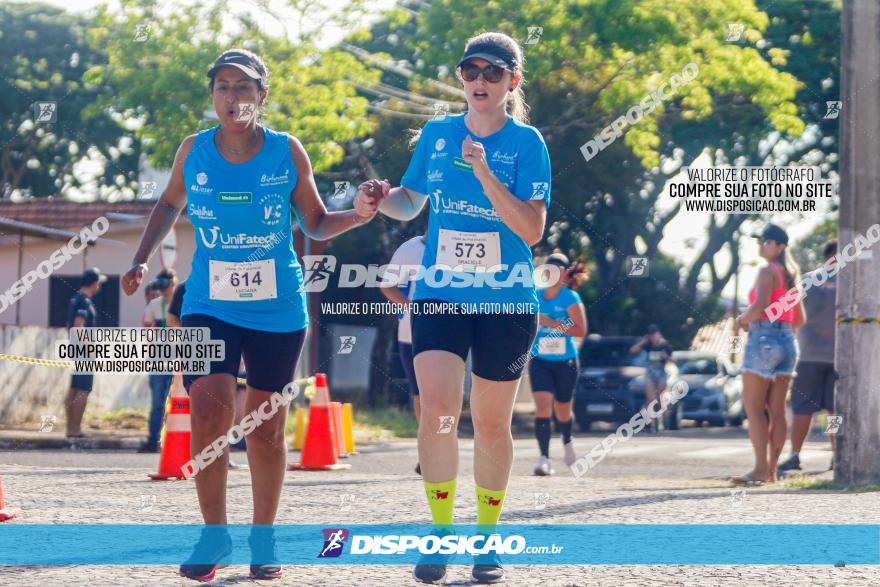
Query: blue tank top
(550,344)
(244,269)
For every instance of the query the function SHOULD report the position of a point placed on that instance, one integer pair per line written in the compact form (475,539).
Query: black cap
(91,276)
(774,233)
(243,61)
(494,53)
(558,259)
(653,328)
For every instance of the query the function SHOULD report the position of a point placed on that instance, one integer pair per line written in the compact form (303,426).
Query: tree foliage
(46,54)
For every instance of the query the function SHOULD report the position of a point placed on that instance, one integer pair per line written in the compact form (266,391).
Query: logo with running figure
(334,541)
(539,190)
(316,272)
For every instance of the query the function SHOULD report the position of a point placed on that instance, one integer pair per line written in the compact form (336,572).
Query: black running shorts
(557,377)
(269,357)
(498,343)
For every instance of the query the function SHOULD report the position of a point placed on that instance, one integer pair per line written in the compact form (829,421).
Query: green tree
(46,56)
(159,82)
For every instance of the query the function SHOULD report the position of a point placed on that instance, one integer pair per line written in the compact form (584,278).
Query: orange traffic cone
(4,513)
(318,453)
(175,444)
(336,414)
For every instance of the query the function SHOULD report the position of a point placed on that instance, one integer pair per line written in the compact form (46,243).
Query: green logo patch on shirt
(235,197)
(462,164)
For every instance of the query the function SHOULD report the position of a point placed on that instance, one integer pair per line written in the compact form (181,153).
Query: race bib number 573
(468,251)
(243,282)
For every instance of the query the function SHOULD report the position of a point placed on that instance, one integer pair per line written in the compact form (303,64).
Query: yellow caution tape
(858,320)
(33,361)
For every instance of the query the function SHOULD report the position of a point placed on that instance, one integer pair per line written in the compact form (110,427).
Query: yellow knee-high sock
(489,504)
(441,498)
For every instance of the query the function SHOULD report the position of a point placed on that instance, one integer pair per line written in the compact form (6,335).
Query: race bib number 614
(243,282)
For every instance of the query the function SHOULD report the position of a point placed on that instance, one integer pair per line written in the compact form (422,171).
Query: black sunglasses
(491,73)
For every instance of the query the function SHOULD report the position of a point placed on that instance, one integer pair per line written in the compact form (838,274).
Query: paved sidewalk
(75,493)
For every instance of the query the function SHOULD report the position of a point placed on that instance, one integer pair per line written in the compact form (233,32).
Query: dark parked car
(605,390)
(715,389)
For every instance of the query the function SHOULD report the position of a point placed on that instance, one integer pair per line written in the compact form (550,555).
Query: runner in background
(813,388)
(175,305)
(156,316)
(407,255)
(659,353)
(770,355)
(150,294)
(81,313)
(487,175)
(554,368)
(245,286)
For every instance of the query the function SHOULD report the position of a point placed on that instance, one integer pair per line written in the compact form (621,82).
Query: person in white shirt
(409,254)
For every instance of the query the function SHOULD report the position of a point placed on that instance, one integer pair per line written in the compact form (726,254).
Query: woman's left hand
(475,154)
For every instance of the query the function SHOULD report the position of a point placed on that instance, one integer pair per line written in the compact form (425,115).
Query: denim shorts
(656,376)
(771,349)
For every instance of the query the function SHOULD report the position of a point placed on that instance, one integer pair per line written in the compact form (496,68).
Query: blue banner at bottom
(606,544)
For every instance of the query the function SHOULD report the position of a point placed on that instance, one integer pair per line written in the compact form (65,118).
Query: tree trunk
(857,354)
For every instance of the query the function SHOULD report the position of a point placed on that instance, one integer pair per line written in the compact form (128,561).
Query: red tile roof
(66,214)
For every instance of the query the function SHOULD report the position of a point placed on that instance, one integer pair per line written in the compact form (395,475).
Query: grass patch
(380,421)
(811,483)
(371,425)
(121,419)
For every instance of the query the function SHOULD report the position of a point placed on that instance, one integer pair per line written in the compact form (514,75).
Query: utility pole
(857,354)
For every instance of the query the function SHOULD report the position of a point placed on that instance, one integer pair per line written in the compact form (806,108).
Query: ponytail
(517,106)
(790,269)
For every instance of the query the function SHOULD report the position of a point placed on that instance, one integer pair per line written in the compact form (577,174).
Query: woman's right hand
(132,279)
(369,193)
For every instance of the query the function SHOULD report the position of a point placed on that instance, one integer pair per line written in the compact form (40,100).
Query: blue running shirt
(550,345)
(244,270)
(464,230)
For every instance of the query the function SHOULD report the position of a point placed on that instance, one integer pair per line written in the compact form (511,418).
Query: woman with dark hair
(487,176)
(554,368)
(771,352)
(243,183)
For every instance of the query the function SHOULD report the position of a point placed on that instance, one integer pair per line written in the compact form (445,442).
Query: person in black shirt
(176,304)
(659,353)
(156,316)
(81,312)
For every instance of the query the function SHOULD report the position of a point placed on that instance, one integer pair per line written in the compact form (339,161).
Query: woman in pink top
(775,311)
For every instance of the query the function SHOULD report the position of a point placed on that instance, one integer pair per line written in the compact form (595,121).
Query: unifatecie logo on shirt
(213,236)
(460,207)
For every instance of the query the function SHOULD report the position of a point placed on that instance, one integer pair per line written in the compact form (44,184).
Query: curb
(31,442)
